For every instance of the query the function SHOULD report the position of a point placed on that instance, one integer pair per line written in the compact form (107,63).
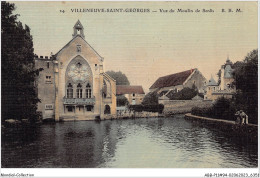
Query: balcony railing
(83,101)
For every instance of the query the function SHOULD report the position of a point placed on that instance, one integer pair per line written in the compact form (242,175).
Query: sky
(148,45)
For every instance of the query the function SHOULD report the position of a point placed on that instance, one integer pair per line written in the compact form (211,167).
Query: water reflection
(154,142)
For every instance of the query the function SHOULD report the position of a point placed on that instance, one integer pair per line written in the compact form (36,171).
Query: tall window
(79,91)
(88,91)
(104,89)
(79,48)
(69,91)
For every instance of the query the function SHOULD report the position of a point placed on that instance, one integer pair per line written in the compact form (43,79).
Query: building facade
(134,94)
(73,85)
(176,82)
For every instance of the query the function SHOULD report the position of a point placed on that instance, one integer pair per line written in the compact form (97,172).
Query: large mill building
(73,85)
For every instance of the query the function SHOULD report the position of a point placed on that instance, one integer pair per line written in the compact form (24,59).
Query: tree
(150,99)
(246,82)
(121,100)
(19,97)
(219,76)
(121,79)
(185,94)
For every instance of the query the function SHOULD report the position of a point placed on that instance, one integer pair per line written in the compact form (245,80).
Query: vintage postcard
(118,84)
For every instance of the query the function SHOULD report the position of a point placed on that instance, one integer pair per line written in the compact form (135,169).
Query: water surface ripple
(172,142)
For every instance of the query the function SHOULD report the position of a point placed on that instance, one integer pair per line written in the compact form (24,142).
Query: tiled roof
(172,80)
(129,89)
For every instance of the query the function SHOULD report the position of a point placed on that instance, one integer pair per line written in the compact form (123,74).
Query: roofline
(108,76)
(80,24)
(188,78)
(177,73)
(85,41)
(131,85)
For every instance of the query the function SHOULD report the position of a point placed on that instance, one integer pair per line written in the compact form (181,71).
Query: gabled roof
(212,82)
(73,40)
(78,25)
(172,80)
(129,89)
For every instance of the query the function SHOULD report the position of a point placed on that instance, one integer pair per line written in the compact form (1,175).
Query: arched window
(69,91)
(88,91)
(79,91)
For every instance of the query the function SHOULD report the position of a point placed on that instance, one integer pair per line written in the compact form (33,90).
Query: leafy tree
(246,82)
(121,79)
(150,98)
(19,97)
(246,97)
(121,101)
(222,108)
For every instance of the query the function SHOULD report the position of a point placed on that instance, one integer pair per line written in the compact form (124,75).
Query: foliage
(121,79)
(222,109)
(121,100)
(184,94)
(150,98)
(246,97)
(246,82)
(19,97)
(149,108)
(219,76)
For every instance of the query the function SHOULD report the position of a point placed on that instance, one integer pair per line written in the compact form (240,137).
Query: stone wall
(131,114)
(248,131)
(182,106)
(196,79)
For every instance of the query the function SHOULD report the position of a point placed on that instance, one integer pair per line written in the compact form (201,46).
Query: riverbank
(249,131)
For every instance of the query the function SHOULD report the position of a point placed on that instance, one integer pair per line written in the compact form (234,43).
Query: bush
(121,101)
(148,108)
(150,99)
(184,94)
(222,109)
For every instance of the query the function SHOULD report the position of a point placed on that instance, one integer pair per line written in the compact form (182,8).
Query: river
(173,142)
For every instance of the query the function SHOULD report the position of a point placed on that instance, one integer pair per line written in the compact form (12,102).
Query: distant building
(176,82)
(72,84)
(134,94)
(225,88)
(212,87)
